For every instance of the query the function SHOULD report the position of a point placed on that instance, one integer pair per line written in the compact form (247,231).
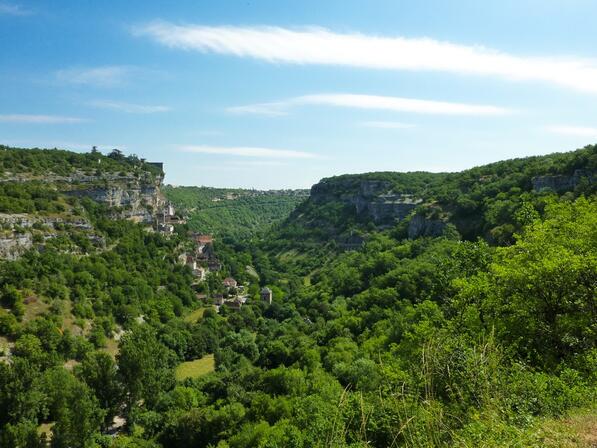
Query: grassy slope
(196,368)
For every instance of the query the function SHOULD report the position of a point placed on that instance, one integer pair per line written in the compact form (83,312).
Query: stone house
(266,295)
(191,262)
(229,282)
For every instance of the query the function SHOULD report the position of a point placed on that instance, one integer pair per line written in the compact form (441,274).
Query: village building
(266,295)
(203,240)
(214,265)
(168,229)
(167,218)
(199,272)
(159,165)
(169,209)
(235,304)
(229,282)
(191,262)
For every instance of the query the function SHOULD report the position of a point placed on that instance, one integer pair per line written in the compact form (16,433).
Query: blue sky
(272,94)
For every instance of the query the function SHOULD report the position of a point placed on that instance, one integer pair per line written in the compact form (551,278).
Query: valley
(380,309)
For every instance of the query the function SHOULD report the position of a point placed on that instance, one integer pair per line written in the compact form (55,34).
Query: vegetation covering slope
(233,213)
(30,179)
(46,162)
(485,202)
(423,342)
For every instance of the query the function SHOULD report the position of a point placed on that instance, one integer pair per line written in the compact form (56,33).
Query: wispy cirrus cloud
(105,76)
(247,151)
(129,107)
(372,102)
(40,119)
(244,165)
(324,47)
(387,124)
(577,131)
(273,109)
(11,9)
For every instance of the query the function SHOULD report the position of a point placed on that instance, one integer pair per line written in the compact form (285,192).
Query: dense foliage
(482,201)
(426,342)
(234,214)
(43,162)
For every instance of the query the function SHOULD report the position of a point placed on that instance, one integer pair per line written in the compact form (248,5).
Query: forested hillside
(479,329)
(233,213)
(484,202)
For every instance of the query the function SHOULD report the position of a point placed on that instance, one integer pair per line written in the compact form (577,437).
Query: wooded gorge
(409,310)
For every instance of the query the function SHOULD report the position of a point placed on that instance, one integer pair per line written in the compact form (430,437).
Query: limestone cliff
(134,195)
(20,232)
(420,225)
(375,199)
(136,198)
(559,183)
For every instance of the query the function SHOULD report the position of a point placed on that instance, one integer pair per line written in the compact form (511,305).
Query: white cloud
(387,125)
(577,131)
(39,119)
(106,76)
(245,151)
(128,107)
(374,102)
(244,165)
(272,109)
(13,10)
(324,47)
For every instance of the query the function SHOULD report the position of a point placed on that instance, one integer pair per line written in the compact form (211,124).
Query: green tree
(145,367)
(98,370)
(73,408)
(540,293)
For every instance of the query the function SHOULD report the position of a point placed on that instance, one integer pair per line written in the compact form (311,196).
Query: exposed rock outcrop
(135,196)
(17,230)
(420,225)
(373,198)
(139,202)
(559,183)
(13,245)
(11,220)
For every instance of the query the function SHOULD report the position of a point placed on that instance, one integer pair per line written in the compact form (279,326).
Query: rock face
(136,199)
(560,182)
(13,245)
(420,226)
(11,220)
(17,229)
(373,198)
(138,203)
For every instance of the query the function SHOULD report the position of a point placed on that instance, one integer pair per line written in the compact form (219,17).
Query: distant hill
(110,335)
(233,213)
(484,201)
(477,201)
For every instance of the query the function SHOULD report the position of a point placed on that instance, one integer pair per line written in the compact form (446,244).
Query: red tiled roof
(204,239)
